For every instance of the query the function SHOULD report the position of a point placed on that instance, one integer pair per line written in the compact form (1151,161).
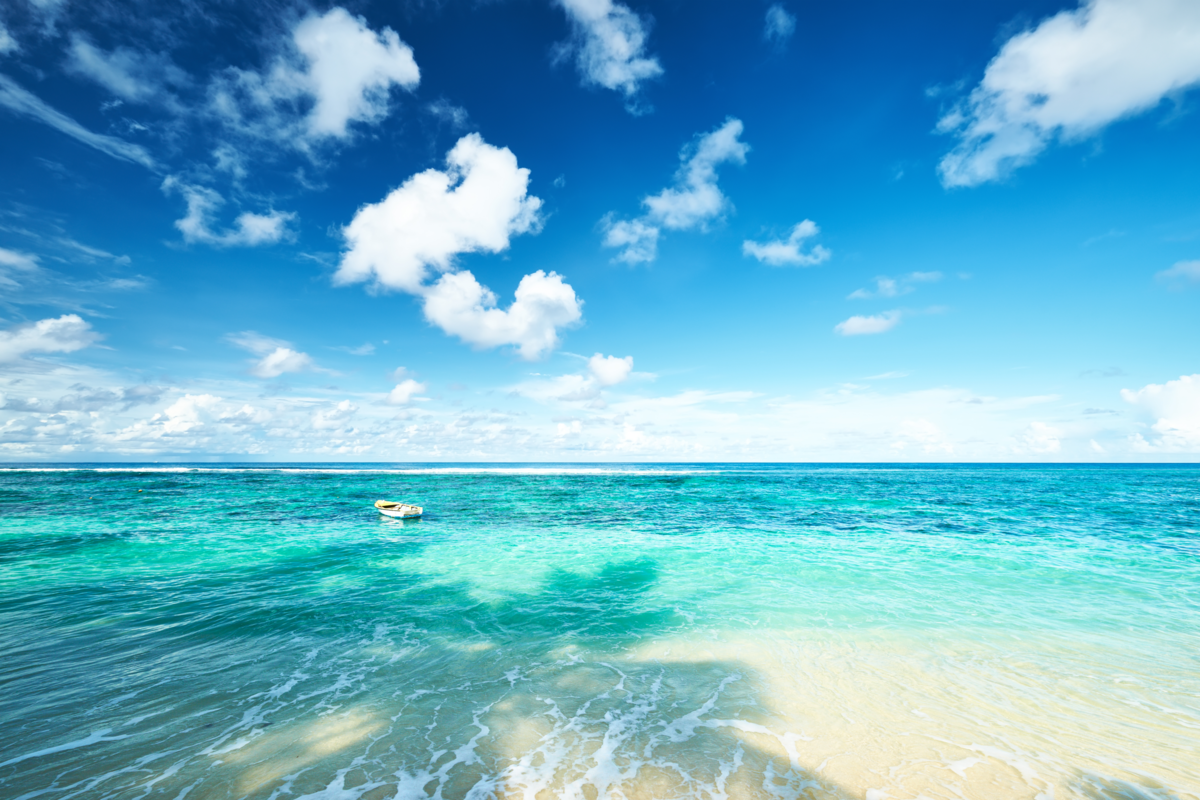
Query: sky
(591,230)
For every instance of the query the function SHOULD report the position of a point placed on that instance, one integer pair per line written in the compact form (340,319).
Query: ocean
(600,631)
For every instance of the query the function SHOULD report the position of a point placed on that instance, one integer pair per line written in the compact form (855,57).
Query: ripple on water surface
(596,632)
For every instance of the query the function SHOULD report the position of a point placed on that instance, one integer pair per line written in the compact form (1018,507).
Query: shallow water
(598,632)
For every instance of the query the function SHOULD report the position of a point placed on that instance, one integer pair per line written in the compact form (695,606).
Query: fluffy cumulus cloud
(334,63)
(789,252)
(543,304)
(64,334)
(1069,77)
(20,101)
(609,45)
(249,229)
(477,204)
(1175,406)
(1181,274)
(404,392)
(276,357)
(859,325)
(350,69)
(610,370)
(779,25)
(692,202)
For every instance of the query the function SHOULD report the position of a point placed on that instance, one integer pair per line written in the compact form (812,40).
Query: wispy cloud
(1181,275)
(894,287)
(1075,73)
(249,229)
(609,45)
(779,25)
(20,101)
(133,76)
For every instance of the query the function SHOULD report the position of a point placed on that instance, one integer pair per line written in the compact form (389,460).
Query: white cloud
(789,252)
(610,370)
(279,361)
(350,69)
(17,259)
(332,419)
(602,372)
(695,198)
(860,325)
(333,61)
(693,202)
(1039,438)
(277,356)
(1181,274)
(64,334)
(249,229)
(610,47)
(461,306)
(892,287)
(22,102)
(475,205)
(922,434)
(404,392)
(779,25)
(637,239)
(1176,407)
(1069,77)
(188,412)
(130,75)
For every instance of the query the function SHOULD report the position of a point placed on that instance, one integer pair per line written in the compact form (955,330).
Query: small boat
(398,510)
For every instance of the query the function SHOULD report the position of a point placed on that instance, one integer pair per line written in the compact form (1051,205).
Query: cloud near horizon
(1072,75)
(1175,405)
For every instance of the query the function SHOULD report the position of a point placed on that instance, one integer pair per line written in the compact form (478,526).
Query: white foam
(95,737)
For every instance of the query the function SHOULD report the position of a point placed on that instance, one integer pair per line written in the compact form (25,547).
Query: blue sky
(594,230)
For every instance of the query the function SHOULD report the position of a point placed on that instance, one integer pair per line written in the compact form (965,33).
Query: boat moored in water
(398,510)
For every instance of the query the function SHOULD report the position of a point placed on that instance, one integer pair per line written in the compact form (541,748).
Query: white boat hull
(387,512)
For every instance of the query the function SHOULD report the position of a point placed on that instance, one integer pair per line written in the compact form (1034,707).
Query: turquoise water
(594,632)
